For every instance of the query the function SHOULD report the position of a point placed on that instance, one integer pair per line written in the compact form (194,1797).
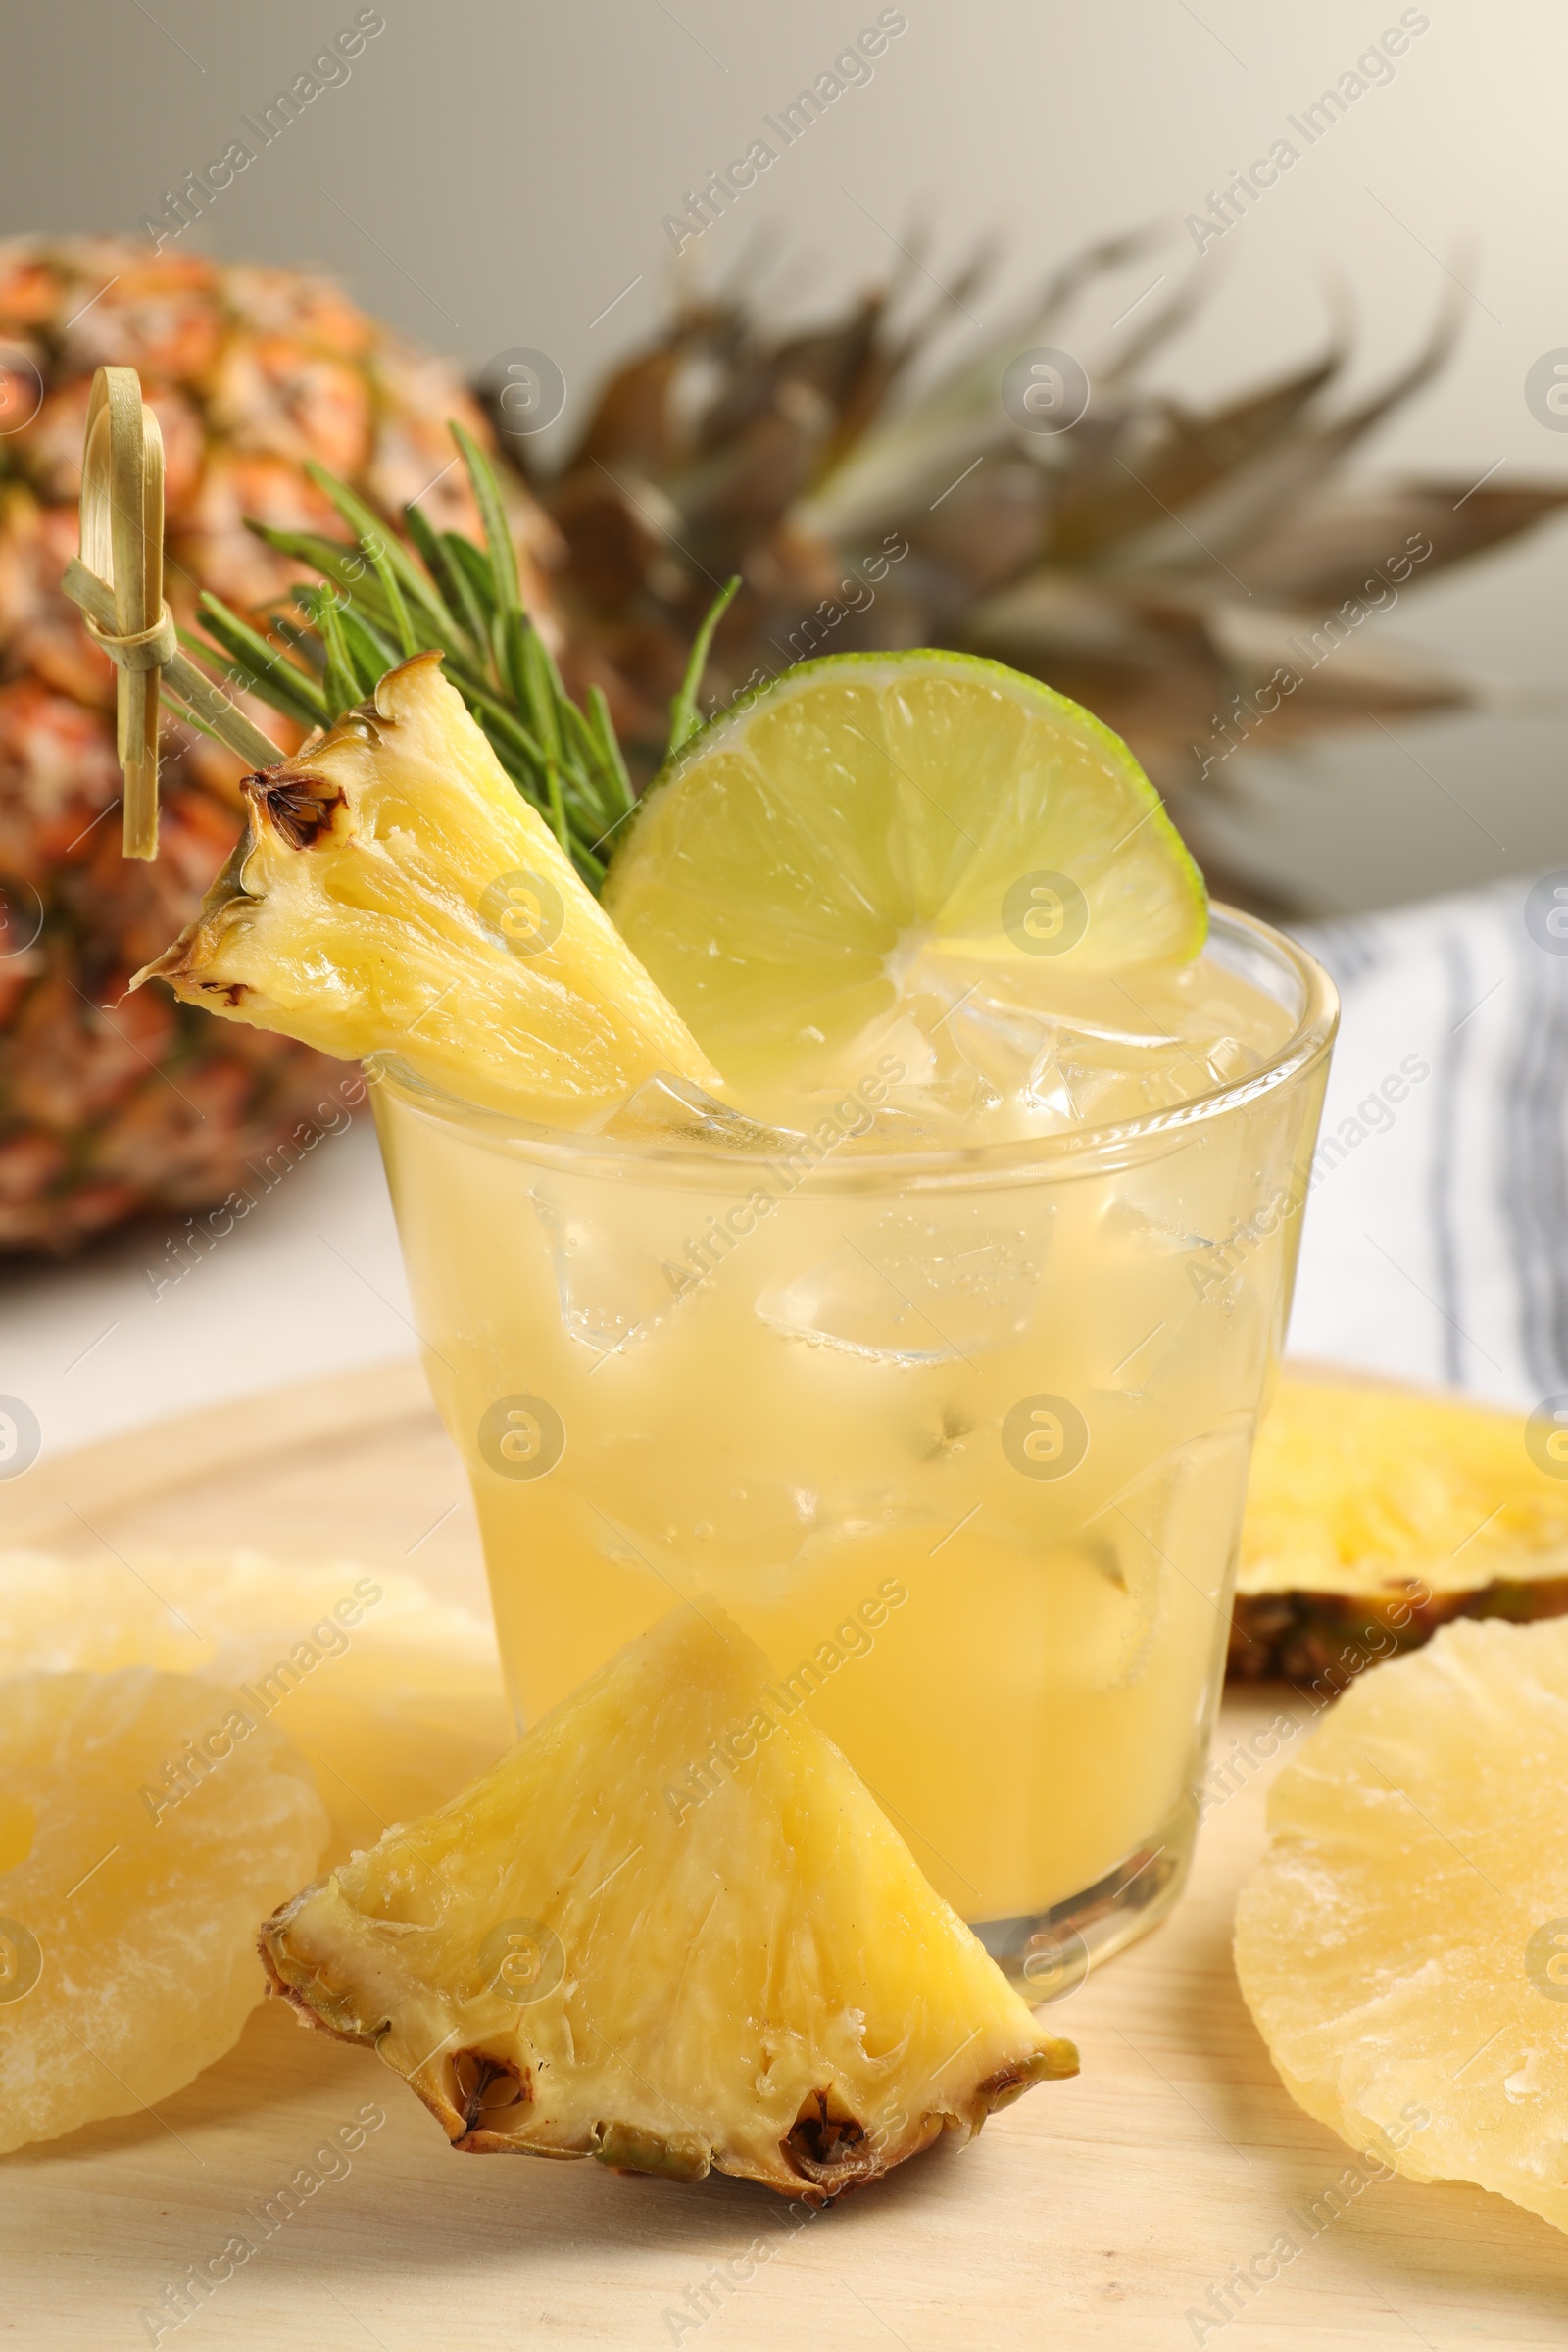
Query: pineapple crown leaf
(1156,562)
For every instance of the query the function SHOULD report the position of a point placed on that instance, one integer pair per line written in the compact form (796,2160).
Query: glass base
(1047,1954)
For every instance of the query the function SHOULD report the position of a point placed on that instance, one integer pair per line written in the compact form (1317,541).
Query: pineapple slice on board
(1375,1513)
(394,1698)
(1404,1943)
(587,1955)
(125,1953)
(394,892)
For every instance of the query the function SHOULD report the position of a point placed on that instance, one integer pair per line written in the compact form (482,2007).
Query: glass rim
(1019,1158)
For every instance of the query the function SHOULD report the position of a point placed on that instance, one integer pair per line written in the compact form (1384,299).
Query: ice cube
(612,1288)
(847,1301)
(984,1061)
(751,1540)
(1106,1593)
(667,1110)
(1145,1289)
(680,1512)
(1130,1231)
(1175,1523)
(915,1290)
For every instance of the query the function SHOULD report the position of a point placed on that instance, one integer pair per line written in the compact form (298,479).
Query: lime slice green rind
(865,809)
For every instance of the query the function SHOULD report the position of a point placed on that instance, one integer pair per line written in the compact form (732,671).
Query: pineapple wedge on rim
(579,1957)
(394,892)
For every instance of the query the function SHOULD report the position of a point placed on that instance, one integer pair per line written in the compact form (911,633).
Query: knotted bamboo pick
(118,580)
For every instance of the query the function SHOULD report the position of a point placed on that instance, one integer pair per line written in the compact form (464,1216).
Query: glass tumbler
(959,1436)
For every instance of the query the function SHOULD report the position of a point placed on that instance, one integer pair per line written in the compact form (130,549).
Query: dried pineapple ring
(396,1699)
(127,1957)
(1404,1944)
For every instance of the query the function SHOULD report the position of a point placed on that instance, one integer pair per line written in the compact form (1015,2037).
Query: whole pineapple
(110,1107)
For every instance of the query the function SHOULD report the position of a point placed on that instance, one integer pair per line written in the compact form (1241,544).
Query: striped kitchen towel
(1436,1241)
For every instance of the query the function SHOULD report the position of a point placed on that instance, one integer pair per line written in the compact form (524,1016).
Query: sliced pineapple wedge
(581,1956)
(393,893)
(1375,1513)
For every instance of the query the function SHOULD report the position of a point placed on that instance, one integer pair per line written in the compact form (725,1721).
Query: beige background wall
(493,175)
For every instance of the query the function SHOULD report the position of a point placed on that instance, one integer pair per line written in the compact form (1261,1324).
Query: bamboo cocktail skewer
(118,581)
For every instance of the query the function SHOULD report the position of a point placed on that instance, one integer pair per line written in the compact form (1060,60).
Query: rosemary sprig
(684,716)
(389,597)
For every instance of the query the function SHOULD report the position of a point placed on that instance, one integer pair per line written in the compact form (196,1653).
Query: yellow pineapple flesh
(126,1958)
(1404,1944)
(1380,1513)
(573,1959)
(394,892)
(394,1700)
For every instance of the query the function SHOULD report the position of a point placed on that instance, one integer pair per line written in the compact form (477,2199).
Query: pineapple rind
(1312,1636)
(762,1982)
(353,916)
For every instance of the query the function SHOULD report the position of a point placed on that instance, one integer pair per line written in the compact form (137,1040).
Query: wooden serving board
(1099,2212)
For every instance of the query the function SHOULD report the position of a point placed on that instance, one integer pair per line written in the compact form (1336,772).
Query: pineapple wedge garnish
(672,1930)
(394,892)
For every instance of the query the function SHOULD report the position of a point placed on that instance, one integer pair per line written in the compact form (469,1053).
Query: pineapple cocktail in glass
(876,1218)
(957,1429)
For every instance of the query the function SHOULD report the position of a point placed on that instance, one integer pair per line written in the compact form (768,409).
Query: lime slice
(817,853)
